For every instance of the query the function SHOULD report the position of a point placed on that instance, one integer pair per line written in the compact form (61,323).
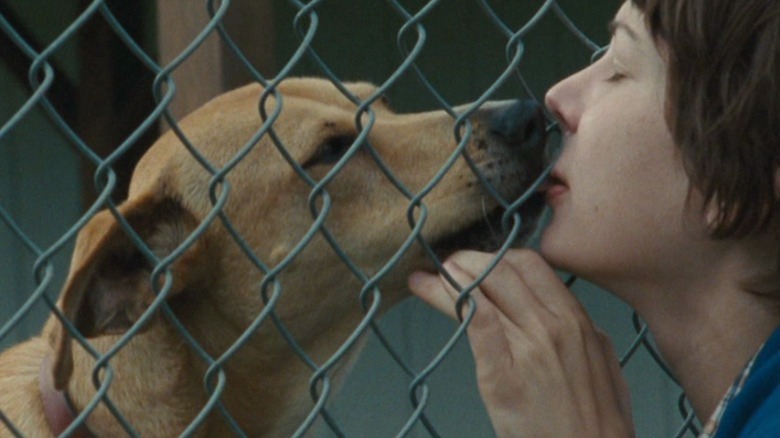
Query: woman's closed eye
(616,76)
(615,70)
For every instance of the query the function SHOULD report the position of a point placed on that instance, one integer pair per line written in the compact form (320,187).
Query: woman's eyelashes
(615,70)
(616,76)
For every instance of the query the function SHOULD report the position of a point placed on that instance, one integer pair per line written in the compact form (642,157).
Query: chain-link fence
(87,86)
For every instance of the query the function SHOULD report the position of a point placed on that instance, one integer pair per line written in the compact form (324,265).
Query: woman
(666,194)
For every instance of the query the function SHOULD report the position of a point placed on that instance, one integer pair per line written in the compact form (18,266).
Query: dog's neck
(152,380)
(171,387)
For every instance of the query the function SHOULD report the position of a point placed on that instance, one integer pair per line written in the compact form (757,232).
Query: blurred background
(103,92)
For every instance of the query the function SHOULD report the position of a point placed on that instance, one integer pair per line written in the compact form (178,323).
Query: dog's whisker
(493,232)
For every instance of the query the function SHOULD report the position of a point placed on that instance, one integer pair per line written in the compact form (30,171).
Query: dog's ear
(109,284)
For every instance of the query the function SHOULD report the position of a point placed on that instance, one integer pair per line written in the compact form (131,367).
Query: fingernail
(457,273)
(420,280)
(450,266)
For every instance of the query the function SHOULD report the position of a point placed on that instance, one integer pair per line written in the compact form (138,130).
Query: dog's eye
(385,101)
(331,151)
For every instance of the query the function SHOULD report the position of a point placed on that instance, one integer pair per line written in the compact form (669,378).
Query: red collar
(57,406)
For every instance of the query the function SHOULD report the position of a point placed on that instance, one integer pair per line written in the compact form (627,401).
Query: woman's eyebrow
(616,25)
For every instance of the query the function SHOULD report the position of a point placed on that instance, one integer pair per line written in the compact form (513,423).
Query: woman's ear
(109,285)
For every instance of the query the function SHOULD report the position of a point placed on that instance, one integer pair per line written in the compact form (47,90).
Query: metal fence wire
(411,38)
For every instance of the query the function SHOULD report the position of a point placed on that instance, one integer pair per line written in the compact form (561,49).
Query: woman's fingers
(521,284)
(506,286)
(434,290)
(538,355)
(437,291)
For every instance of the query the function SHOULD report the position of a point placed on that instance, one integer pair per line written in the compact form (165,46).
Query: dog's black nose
(521,124)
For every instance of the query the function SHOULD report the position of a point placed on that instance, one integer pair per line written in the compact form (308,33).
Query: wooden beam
(199,78)
(212,68)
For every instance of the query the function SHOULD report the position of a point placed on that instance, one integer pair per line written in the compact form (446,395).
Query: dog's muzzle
(521,123)
(513,135)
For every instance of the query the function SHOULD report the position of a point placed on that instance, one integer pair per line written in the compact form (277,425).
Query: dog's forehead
(324,92)
(221,127)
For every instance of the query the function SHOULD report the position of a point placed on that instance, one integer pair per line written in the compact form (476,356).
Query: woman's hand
(543,368)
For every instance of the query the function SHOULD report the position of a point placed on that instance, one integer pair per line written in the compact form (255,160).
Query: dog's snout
(520,123)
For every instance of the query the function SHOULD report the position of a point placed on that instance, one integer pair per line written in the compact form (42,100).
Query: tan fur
(215,292)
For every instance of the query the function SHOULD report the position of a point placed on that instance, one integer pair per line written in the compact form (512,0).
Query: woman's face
(620,191)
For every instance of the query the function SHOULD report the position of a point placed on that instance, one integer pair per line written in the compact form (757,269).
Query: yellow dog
(158,379)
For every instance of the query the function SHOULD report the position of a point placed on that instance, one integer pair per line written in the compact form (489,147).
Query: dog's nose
(521,123)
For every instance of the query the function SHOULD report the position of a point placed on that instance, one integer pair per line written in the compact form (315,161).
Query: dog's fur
(216,290)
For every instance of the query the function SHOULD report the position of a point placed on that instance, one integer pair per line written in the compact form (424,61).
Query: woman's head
(723,101)
(670,141)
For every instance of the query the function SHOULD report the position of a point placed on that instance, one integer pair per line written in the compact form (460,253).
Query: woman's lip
(553,192)
(554,188)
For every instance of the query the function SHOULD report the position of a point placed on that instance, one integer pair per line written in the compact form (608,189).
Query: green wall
(464,54)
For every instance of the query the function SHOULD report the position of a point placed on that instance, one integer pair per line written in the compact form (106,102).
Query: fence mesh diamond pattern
(422,46)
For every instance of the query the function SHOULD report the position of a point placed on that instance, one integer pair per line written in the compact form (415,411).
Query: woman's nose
(565,102)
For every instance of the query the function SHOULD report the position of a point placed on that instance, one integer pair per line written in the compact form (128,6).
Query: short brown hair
(723,102)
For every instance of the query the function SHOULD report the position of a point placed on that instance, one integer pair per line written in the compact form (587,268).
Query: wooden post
(212,68)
